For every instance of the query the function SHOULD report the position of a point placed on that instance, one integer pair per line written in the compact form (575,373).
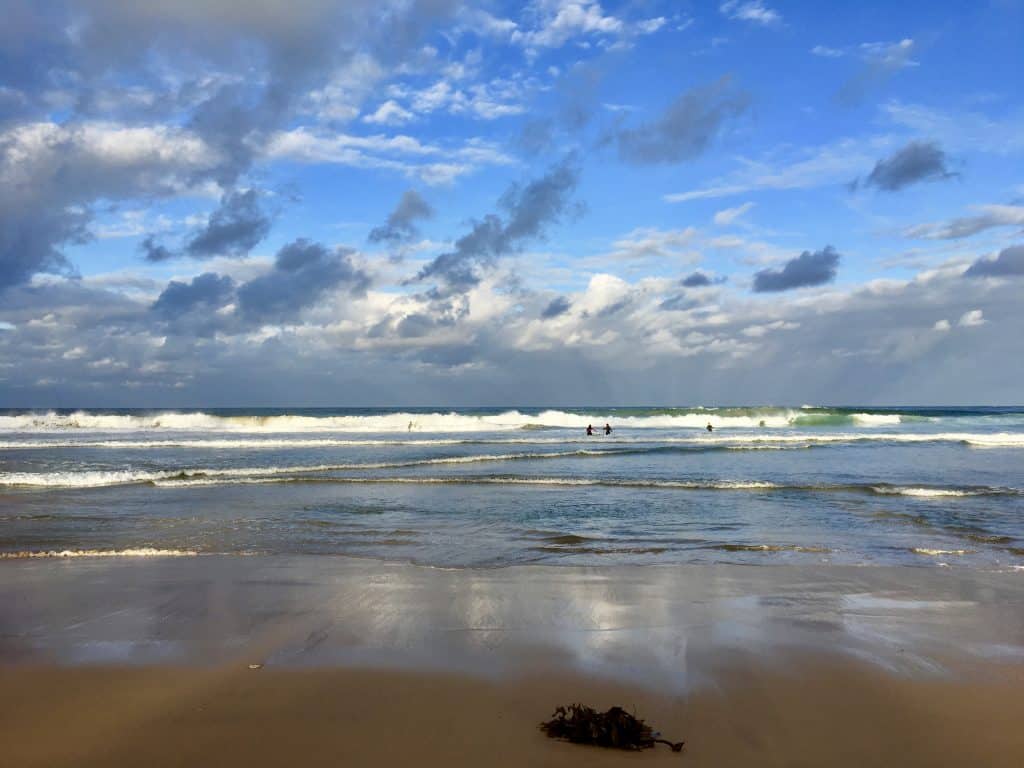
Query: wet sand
(146,662)
(824,713)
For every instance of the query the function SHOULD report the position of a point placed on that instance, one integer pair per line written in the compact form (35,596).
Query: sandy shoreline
(824,713)
(146,662)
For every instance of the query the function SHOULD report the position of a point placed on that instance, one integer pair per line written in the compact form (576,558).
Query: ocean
(489,487)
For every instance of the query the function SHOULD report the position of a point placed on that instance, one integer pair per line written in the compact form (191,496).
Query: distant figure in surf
(761,423)
(710,428)
(607,429)
(590,430)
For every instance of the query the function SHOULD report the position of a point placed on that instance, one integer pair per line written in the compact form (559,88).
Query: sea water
(496,486)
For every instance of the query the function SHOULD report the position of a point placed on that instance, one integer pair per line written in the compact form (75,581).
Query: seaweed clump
(615,729)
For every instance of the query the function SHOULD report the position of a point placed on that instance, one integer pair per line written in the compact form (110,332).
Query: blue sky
(191,192)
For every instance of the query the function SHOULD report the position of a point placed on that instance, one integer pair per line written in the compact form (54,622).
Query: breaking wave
(451,421)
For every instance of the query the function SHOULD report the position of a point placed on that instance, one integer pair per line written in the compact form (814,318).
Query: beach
(321,660)
(799,586)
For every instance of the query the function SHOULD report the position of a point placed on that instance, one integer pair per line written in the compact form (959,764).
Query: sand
(146,662)
(826,713)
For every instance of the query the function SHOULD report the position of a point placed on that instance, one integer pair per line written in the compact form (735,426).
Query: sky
(429,202)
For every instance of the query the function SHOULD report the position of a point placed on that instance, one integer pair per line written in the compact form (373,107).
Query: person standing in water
(590,430)
(710,428)
(607,429)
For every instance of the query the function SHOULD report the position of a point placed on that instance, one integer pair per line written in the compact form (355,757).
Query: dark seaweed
(615,729)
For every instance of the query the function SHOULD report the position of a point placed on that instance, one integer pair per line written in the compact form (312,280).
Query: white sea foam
(133,552)
(939,552)
(477,480)
(928,493)
(876,419)
(101,478)
(451,421)
(753,439)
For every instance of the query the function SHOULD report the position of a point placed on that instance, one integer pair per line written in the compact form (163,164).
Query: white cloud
(972,319)
(53,162)
(961,130)
(404,154)
(650,242)
(342,96)
(833,163)
(650,26)
(988,217)
(482,22)
(729,215)
(889,56)
(754,11)
(558,21)
(826,52)
(389,113)
(941,325)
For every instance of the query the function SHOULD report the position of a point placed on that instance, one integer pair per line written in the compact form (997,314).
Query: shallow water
(491,487)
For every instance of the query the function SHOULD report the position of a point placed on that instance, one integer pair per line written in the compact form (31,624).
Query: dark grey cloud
(1008,263)
(208,291)
(154,251)
(400,226)
(679,303)
(686,128)
(807,269)
(303,272)
(233,229)
(528,211)
(30,240)
(558,306)
(700,280)
(915,162)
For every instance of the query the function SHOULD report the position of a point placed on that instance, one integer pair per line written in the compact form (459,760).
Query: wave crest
(451,421)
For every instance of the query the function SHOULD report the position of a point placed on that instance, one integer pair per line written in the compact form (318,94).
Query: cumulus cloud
(972,319)
(686,128)
(1008,263)
(805,270)
(528,211)
(303,272)
(915,162)
(50,176)
(206,290)
(400,226)
(190,93)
